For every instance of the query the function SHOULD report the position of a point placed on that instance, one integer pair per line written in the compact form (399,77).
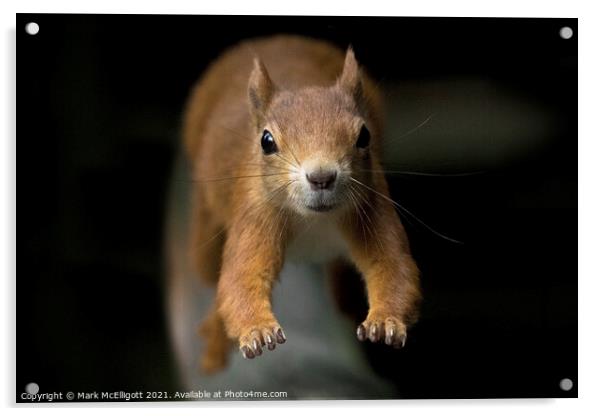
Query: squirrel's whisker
(238,177)
(399,206)
(353,199)
(396,140)
(259,204)
(414,173)
(284,142)
(371,225)
(286,160)
(251,139)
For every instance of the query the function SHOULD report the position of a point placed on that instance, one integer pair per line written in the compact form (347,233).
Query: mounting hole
(32,388)
(566,384)
(32,28)
(566,32)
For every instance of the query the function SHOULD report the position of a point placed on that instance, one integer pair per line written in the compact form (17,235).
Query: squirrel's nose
(321,179)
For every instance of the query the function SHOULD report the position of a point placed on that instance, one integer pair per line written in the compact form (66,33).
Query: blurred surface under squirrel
(283,135)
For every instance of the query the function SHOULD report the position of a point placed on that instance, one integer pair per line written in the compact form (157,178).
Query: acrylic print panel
(131,181)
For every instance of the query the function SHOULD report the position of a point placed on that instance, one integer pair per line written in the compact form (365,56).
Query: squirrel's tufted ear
(261,88)
(351,77)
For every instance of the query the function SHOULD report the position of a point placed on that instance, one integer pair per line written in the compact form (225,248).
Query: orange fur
(250,206)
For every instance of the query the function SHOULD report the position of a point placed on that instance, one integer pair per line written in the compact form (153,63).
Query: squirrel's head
(315,144)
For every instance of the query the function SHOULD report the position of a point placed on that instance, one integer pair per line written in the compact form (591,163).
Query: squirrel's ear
(261,88)
(351,77)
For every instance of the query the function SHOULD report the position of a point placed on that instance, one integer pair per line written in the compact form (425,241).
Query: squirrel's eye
(363,140)
(268,144)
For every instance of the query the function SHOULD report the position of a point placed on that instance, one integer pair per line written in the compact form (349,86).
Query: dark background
(99,105)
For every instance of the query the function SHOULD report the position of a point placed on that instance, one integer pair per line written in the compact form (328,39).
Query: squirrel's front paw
(261,335)
(383,328)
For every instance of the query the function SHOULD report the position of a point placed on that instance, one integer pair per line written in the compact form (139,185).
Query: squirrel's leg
(252,261)
(206,246)
(215,355)
(390,273)
(206,242)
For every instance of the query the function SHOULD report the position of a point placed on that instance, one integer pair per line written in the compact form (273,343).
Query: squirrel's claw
(361,333)
(250,344)
(247,352)
(280,337)
(390,330)
(257,348)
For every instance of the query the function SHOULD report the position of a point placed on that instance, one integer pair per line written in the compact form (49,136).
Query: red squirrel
(284,138)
